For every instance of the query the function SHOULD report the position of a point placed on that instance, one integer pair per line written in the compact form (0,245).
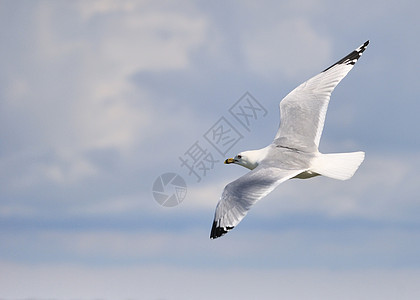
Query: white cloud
(204,195)
(74,93)
(164,241)
(66,281)
(113,206)
(290,47)
(100,7)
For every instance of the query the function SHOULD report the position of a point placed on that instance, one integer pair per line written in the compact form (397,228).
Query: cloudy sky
(100,98)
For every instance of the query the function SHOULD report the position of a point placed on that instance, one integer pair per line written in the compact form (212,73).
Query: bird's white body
(340,166)
(294,151)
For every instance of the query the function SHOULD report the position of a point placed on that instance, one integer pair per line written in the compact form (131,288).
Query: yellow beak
(229,161)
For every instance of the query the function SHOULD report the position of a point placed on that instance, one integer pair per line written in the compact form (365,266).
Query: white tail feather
(340,166)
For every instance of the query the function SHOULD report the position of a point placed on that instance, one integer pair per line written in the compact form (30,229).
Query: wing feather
(239,195)
(303,110)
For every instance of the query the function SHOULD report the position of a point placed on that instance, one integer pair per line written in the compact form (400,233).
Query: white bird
(294,151)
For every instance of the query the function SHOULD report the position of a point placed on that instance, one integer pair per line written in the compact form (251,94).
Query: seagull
(294,151)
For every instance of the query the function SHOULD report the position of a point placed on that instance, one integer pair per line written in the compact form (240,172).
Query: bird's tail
(340,166)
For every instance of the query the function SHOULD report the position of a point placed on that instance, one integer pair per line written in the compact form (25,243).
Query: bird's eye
(239,156)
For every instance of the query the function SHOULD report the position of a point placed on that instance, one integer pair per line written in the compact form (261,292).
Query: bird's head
(247,159)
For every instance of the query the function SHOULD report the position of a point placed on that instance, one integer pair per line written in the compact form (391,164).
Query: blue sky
(99,98)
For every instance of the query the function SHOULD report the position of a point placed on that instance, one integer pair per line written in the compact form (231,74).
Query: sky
(99,99)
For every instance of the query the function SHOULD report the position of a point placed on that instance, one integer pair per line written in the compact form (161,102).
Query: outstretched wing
(239,195)
(303,110)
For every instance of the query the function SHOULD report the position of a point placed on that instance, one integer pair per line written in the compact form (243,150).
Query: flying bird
(294,151)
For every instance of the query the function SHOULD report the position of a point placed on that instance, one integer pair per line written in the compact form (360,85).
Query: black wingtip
(352,57)
(217,231)
(363,47)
